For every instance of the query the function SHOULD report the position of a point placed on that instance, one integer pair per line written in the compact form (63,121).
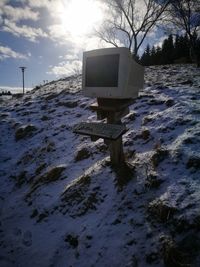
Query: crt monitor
(111,73)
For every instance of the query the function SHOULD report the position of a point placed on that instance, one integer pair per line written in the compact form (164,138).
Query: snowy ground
(62,204)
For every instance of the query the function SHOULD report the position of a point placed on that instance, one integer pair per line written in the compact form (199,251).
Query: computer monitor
(111,73)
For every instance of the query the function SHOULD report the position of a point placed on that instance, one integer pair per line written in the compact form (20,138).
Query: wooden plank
(111,104)
(101,130)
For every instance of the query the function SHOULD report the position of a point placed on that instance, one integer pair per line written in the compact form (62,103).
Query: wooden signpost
(112,110)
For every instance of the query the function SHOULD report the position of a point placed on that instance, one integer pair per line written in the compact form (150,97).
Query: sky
(46,36)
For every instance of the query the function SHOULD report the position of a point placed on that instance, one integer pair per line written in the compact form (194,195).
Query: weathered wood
(116,152)
(101,130)
(109,105)
(113,110)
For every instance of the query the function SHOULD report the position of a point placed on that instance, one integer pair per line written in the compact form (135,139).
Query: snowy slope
(62,204)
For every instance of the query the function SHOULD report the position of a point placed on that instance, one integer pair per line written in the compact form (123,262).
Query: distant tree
(171,51)
(130,21)
(182,48)
(146,57)
(184,15)
(168,50)
(153,55)
(158,56)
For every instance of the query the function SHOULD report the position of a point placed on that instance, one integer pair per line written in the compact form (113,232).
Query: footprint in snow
(17,232)
(27,239)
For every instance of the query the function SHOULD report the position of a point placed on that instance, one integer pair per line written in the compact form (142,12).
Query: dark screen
(102,71)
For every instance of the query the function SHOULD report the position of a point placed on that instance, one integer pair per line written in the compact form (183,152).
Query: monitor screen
(102,71)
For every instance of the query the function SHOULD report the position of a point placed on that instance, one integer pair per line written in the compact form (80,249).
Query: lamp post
(23,69)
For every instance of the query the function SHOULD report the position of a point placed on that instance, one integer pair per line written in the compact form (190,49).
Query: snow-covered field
(61,202)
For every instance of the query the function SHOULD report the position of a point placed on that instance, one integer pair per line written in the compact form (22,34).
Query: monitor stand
(113,110)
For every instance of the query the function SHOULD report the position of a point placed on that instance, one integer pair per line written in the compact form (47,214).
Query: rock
(50,97)
(193,162)
(146,120)
(187,82)
(21,178)
(159,155)
(81,154)
(182,253)
(69,104)
(130,117)
(72,240)
(34,213)
(42,216)
(40,168)
(25,131)
(45,118)
(169,102)
(153,181)
(161,211)
(145,134)
(155,102)
(52,175)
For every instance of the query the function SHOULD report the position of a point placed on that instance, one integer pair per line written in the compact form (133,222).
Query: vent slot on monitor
(102,71)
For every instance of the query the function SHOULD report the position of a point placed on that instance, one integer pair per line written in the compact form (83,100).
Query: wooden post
(113,110)
(116,152)
(116,146)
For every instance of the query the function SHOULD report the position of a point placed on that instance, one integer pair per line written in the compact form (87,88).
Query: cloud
(17,13)
(7,52)
(25,31)
(58,33)
(67,68)
(160,41)
(3,2)
(11,17)
(44,3)
(54,7)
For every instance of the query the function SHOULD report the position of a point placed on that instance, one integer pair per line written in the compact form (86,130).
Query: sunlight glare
(81,16)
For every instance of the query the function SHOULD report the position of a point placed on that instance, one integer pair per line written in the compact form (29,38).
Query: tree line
(130,21)
(172,50)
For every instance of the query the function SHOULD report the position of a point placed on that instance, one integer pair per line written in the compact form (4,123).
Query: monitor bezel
(123,72)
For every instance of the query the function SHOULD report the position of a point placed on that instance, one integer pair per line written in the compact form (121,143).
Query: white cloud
(3,2)
(23,31)
(7,52)
(17,14)
(54,7)
(67,68)
(160,41)
(57,32)
(70,57)
(11,17)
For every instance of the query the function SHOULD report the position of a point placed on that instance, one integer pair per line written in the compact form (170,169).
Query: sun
(79,17)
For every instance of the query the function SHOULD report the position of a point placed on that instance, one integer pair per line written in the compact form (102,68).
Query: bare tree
(183,16)
(130,21)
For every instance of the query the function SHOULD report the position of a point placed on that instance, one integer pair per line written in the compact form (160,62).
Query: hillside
(62,204)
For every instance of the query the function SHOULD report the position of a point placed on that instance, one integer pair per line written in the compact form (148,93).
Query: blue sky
(34,33)
(46,36)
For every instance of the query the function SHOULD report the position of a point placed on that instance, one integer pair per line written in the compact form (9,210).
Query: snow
(61,202)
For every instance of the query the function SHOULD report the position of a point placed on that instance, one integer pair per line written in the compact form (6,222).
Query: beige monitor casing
(130,75)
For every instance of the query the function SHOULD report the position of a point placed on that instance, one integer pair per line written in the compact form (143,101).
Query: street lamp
(23,68)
